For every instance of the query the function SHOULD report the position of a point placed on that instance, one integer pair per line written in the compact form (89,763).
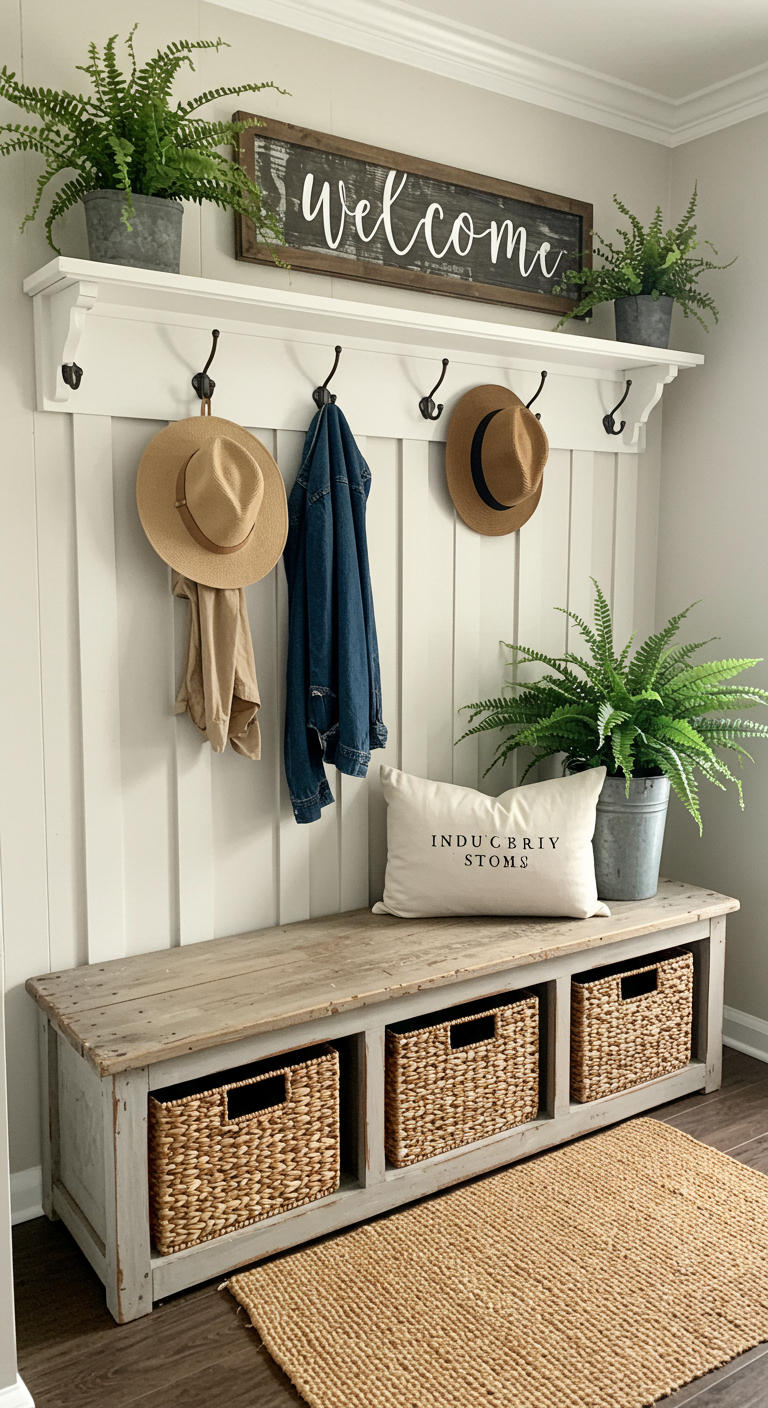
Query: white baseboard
(745,1033)
(16,1395)
(27,1202)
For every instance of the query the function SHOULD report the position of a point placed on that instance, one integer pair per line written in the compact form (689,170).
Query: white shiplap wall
(155,841)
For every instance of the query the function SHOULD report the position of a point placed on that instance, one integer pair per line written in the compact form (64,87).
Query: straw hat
(212,502)
(495,458)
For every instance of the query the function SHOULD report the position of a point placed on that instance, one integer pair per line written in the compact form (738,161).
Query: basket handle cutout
(473,1031)
(638,984)
(244,1100)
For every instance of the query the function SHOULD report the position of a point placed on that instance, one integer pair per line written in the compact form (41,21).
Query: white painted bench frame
(123,1259)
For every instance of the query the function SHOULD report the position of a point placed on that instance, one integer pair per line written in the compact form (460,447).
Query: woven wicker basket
(264,1140)
(460,1075)
(630,1023)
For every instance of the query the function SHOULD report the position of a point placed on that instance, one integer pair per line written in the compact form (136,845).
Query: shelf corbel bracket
(60,317)
(647,386)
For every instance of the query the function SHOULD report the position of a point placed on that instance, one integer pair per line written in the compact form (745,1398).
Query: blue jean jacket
(333,697)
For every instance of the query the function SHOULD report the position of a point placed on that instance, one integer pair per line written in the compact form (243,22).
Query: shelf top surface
(132,1012)
(183,293)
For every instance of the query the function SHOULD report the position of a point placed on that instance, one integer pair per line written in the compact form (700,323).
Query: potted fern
(133,156)
(645,276)
(652,718)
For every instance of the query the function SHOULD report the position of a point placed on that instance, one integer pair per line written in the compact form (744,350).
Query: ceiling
(666,70)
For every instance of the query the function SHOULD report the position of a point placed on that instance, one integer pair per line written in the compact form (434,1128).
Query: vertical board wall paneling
(624,546)
(498,595)
(580,566)
(384,516)
(466,646)
(99,686)
(352,809)
(415,588)
(293,840)
(181,845)
(145,626)
(604,522)
(62,736)
(244,792)
(435,694)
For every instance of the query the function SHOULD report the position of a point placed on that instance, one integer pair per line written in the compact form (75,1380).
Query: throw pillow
(451,850)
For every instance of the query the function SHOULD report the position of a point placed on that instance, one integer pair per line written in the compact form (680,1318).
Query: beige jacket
(219,689)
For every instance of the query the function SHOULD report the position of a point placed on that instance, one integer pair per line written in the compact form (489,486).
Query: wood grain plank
(128,1271)
(188,998)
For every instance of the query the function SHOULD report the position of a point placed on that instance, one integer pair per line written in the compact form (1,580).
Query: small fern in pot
(644,276)
(132,157)
(652,718)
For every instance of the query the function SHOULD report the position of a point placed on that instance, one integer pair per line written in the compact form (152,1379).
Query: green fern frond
(629,714)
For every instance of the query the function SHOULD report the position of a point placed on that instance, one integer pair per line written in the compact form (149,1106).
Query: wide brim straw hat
(494,460)
(212,502)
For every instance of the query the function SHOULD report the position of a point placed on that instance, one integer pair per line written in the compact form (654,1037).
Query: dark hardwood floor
(197,1349)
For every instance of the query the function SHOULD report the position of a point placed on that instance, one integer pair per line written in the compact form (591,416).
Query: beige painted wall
(334,89)
(714,510)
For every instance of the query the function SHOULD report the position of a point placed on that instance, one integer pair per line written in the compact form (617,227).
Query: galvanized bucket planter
(629,832)
(641,319)
(154,240)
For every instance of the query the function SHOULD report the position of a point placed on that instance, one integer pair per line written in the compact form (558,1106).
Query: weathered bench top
(132,1012)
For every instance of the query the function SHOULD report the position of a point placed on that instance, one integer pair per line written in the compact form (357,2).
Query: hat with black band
(495,458)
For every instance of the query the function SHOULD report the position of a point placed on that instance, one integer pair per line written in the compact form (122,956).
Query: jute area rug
(604,1275)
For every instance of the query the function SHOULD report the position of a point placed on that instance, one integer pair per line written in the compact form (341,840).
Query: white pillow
(451,850)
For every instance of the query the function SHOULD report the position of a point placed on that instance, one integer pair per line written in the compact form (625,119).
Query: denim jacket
(333,696)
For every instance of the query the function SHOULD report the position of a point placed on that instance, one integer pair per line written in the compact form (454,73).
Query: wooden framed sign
(365,213)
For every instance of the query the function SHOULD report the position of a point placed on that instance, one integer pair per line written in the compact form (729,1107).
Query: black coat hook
(609,424)
(72,374)
(204,384)
(537,394)
(321,395)
(427,404)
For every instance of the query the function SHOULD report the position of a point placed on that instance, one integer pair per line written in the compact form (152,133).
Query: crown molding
(413,36)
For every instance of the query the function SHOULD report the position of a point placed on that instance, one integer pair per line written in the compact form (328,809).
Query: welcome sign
(365,213)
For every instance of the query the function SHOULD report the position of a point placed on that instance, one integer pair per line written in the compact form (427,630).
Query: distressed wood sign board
(365,213)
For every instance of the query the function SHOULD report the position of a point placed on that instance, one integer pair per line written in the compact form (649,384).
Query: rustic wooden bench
(112,1032)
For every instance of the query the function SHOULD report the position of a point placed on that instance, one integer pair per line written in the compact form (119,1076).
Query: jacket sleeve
(303,755)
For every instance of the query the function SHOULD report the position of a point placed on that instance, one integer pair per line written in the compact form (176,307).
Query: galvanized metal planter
(154,240)
(629,832)
(641,319)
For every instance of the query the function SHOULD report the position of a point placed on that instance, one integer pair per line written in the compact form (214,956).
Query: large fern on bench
(638,714)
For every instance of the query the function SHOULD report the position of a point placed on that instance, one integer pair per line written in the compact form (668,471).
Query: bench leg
(49,1111)
(712,979)
(559,1046)
(129,1273)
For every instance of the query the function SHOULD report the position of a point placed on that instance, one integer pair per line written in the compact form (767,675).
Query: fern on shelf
(654,261)
(128,137)
(639,715)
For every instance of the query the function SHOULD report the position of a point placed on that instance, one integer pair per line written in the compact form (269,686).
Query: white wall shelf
(139,336)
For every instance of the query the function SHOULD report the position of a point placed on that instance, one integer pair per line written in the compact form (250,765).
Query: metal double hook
(321,395)
(427,404)
(204,384)
(609,424)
